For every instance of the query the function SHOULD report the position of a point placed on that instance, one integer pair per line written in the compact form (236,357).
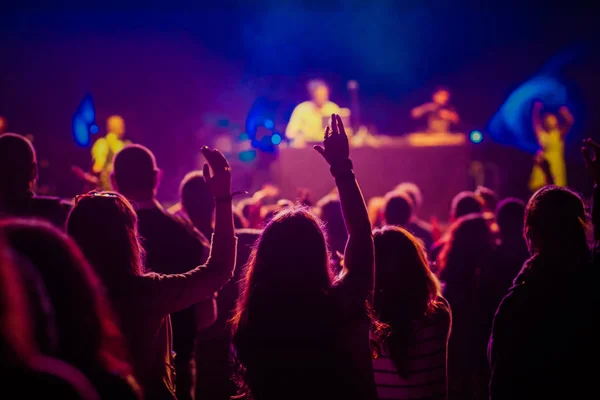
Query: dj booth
(438,164)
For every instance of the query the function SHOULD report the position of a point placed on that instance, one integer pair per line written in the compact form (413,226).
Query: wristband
(342,168)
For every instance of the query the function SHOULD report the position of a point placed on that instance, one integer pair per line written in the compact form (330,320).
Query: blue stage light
(269,124)
(476,137)
(80,132)
(247,155)
(276,139)
(94,129)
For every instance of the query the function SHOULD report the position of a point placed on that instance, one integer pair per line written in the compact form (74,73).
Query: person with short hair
(18,174)
(171,245)
(308,120)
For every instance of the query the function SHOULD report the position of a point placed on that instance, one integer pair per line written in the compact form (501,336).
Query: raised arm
(536,117)
(421,110)
(359,254)
(568,120)
(179,291)
(591,152)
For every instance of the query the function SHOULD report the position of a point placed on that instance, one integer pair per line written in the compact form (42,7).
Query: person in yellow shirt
(550,130)
(105,149)
(310,118)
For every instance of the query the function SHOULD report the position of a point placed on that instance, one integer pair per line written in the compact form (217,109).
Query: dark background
(175,72)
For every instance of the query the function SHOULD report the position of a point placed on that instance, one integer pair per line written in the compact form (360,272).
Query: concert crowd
(110,295)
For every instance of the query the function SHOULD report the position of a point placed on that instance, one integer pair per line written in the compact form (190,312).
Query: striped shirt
(427,363)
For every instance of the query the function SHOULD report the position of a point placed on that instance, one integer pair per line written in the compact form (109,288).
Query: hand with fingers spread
(335,147)
(591,156)
(219,183)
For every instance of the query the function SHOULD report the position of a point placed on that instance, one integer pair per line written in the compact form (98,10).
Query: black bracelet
(341,168)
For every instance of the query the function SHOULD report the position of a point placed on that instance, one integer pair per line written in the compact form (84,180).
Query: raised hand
(219,183)
(591,154)
(335,147)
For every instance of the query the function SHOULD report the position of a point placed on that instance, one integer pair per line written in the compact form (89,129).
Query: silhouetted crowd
(112,296)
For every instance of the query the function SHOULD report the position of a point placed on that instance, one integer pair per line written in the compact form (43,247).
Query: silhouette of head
(115,124)
(104,225)
(465,203)
(83,317)
(319,92)
(510,214)
(17,343)
(196,199)
(18,167)
(414,192)
(555,221)
(398,209)
(469,245)
(402,271)
(441,96)
(135,173)
(331,213)
(290,258)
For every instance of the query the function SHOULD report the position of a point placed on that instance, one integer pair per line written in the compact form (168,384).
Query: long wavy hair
(287,276)
(104,225)
(88,336)
(405,289)
(469,248)
(289,258)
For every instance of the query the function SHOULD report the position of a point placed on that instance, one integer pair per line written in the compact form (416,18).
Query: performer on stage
(105,149)
(310,118)
(550,130)
(440,114)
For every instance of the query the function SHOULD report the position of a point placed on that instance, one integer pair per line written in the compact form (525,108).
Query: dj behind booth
(435,159)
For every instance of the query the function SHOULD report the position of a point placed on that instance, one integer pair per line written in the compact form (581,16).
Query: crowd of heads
(65,285)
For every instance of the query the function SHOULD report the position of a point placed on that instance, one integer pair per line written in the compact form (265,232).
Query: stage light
(83,122)
(269,124)
(247,155)
(276,139)
(476,137)
(80,132)
(94,129)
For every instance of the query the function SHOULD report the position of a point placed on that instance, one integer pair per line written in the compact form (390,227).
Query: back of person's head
(510,214)
(135,171)
(555,222)
(289,261)
(330,211)
(470,244)
(405,288)
(17,344)
(195,197)
(413,191)
(488,198)
(398,209)
(465,203)
(104,225)
(88,336)
(402,273)
(18,168)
